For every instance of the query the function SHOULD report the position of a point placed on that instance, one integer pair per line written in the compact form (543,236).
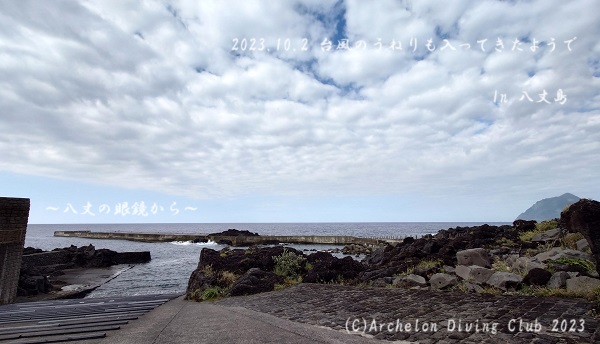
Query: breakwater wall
(230,240)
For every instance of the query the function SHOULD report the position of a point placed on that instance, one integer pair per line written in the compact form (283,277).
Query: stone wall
(14,214)
(46,258)
(64,257)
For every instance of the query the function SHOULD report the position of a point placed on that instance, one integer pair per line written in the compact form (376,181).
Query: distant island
(548,208)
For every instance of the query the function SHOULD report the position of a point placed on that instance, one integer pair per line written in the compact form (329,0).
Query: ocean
(172,263)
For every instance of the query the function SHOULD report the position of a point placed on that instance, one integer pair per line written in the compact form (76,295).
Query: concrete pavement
(180,321)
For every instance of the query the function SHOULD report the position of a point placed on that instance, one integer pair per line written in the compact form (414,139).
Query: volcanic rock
(582,283)
(504,280)
(537,276)
(234,232)
(558,280)
(255,281)
(524,225)
(442,281)
(584,217)
(327,268)
(475,256)
(410,281)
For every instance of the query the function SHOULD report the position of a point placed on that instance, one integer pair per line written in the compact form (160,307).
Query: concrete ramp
(72,320)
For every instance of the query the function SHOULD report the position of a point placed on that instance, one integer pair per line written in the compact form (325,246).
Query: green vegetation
(212,293)
(194,295)
(570,240)
(539,228)
(208,270)
(592,295)
(492,291)
(530,252)
(430,263)
(422,265)
(288,282)
(501,265)
(288,264)
(527,236)
(461,286)
(409,271)
(506,242)
(546,225)
(582,263)
(227,278)
(504,266)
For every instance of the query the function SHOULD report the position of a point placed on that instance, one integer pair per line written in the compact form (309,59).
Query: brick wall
(14,214)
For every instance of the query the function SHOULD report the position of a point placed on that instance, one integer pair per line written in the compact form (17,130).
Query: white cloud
(151,96)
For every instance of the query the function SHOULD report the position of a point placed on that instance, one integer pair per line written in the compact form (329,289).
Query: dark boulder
(524,225)
(537,276)
(200,280)
(34,285)
(214,263)
(239,261)
(234,232)
(255,281)
(356,249)
(377,255)
(31,250)
(431,247)
(327,268)
(584,217)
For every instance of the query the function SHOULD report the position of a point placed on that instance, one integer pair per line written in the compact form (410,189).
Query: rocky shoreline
(43,273)
(551,258)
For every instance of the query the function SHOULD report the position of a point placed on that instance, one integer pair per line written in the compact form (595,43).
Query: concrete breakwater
(230,240)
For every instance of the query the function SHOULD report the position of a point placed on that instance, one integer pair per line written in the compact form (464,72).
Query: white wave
(186,243)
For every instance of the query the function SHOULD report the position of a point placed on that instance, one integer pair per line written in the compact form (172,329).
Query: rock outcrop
(234,232)
(327,268)
(257,266)
(584,217)
(37,265)
(255,281)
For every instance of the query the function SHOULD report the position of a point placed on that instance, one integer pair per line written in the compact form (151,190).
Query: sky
(297,111)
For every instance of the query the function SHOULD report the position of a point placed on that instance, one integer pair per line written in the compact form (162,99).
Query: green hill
(548,208)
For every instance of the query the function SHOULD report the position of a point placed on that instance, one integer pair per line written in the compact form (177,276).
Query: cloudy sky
(297,111)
